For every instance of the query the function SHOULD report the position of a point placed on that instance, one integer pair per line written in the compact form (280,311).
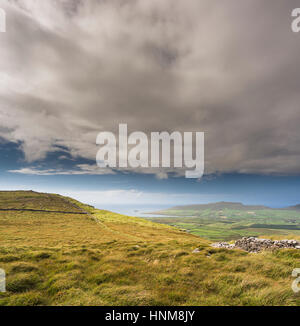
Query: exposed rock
(223,245)
(252,244)
(195,251)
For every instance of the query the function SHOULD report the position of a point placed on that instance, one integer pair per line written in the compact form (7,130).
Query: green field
(102,258)
(222,223)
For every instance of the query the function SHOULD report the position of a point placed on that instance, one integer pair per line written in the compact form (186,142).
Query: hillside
(57,251)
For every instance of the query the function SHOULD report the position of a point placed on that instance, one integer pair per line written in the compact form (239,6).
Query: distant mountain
(292,208)
(220,205)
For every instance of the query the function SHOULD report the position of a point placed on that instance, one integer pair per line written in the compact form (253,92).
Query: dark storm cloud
(70,69)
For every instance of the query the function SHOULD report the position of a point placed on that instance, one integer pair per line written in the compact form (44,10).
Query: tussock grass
(22,282)
(22,267)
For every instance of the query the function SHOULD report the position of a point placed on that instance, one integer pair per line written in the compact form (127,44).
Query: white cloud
(82,169)
(136,197)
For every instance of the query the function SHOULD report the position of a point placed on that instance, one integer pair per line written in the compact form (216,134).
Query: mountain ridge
(220,205)
(228,205)
(294,207)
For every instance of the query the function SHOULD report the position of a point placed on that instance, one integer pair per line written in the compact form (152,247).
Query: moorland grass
(109,259)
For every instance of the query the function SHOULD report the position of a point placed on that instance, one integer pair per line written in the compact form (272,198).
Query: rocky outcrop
(252,244)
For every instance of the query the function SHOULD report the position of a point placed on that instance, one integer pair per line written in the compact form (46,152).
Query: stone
(254,245)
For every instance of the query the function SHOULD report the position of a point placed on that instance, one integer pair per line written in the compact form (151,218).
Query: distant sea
(136,210)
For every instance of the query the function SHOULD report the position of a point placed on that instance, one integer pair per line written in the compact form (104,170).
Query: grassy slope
(109,259)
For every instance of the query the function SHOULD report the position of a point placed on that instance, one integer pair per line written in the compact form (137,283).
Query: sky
(70,69)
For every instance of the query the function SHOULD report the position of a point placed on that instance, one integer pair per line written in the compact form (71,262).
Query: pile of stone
(223,245)
(252,244)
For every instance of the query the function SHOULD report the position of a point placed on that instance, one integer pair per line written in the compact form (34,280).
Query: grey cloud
(70,69)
